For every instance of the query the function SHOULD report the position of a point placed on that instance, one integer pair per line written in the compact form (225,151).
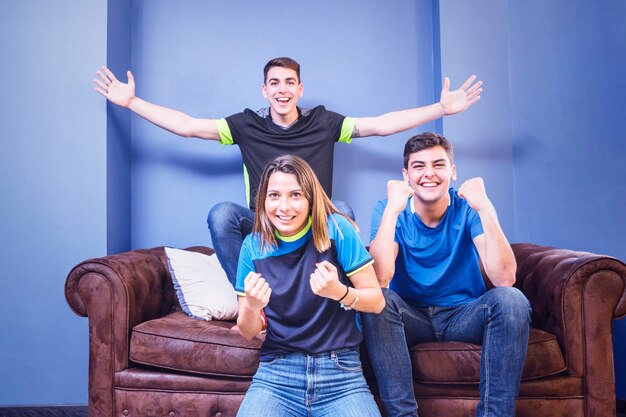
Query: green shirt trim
(226,138)
(297,235)
(246,181)
(347,128)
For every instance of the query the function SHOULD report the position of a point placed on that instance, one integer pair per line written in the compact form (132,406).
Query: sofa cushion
(459,363)
(201,285)
(182,343)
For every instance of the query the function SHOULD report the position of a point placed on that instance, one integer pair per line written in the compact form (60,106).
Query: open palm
(114,90)
(459,100)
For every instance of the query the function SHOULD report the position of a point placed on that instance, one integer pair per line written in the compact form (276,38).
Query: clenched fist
(257,291)
(473,191)
(325,281)
(398,192)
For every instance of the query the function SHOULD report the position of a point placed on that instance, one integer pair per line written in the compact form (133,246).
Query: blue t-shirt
(436,266)
(297,319)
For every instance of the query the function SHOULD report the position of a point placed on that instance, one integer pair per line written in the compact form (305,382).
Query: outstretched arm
(492,246)
(123,94)
(450,102)
(383,248)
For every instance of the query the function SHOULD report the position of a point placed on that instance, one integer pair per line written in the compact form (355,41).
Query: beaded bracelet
(351,306)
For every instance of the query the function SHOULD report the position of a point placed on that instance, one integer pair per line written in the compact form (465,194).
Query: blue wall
(53,186)
(81,178)
(118,132)
(568,77)
(476,43)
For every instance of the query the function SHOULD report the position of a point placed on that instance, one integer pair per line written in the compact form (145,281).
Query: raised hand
(324,281)
(459,100)
(257,291)
(114,90)
(473,191)
(398,193)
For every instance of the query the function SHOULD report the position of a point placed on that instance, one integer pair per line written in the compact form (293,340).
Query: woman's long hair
(320,205)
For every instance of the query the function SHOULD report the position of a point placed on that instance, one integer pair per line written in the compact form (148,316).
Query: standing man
(281,128)
(427,242)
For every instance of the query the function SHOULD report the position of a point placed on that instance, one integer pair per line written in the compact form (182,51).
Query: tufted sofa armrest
(576,295)
(116,293)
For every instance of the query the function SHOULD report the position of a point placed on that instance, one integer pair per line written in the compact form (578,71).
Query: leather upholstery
(147,358)
(459,363)
(195,346)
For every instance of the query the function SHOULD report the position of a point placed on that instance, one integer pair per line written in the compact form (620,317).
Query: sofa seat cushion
(459,363)
(185,344)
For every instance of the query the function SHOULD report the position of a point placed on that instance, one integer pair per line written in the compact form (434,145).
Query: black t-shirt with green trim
(297,319)
(312,137)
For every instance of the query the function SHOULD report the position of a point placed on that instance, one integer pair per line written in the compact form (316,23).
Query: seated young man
(427,242)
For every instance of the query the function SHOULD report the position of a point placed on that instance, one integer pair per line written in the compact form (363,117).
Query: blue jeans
(328,384)
(499,320)
(230,223)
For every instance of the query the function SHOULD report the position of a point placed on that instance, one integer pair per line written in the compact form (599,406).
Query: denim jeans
(230,223)
(328,384)
(499,320)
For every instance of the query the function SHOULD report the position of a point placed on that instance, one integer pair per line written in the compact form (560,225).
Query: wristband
(351,306)
(344,296)
(263,320)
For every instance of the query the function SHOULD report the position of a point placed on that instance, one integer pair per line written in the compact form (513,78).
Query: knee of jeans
(392,298)
(392,304)
(514,304)
(220,213)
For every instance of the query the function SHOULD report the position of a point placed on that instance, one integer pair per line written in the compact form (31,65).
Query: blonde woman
(302,275)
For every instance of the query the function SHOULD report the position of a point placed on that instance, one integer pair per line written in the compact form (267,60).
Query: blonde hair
(320,205)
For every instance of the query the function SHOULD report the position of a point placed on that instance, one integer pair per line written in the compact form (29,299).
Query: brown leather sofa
(147,358)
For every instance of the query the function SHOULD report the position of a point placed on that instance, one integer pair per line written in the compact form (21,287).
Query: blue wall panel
(119,16)
(53,187)
(567,87)
(474,41)
(567,83)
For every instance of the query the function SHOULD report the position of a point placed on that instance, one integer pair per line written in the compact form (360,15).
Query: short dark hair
(424,141)
(281,62)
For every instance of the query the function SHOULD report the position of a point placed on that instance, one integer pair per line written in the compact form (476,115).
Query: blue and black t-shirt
(297,319)
(312,137)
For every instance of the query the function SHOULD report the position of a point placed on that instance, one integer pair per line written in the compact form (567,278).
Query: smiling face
(282,89)
(429,172)
(286,206)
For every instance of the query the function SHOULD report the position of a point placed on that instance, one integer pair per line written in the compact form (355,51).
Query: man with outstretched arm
(281,128)
(427,240)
